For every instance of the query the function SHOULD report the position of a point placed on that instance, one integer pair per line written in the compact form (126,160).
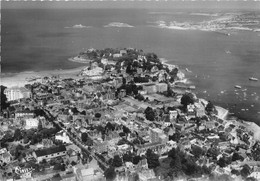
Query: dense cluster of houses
(116,124)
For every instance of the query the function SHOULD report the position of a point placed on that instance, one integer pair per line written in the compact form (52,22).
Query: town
(127,116)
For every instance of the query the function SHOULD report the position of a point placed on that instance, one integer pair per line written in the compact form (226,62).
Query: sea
(216,60)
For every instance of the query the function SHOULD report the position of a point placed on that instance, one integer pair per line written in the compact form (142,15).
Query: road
(75,140)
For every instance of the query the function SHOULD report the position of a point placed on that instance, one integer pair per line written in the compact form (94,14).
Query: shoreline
(19,79)
(224,113)
(79,60)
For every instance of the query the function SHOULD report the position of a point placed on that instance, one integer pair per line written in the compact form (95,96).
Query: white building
(31,123)
(62,136)
(15,93)
(97,71)
(173,114)
(85,174)
(256,175)
(24,114)
(155,135)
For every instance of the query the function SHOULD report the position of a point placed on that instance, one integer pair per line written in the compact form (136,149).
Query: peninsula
(127,115)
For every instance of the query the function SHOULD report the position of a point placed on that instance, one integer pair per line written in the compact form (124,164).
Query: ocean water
(35,40)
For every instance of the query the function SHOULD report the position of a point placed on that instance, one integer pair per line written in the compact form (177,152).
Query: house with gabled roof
(50,153)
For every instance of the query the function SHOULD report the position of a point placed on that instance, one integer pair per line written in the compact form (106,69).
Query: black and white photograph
(130,90)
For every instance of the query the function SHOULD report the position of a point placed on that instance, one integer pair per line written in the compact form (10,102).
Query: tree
(212,152)
(235,172)
(97,115)
(84,137)
(128,157)
(187,99)
(58,166)
(122,141)
(152,159)
(121,134)
(3,97)
(149,113)
(236,156)
(110,174)
(197,151)
(190,167)
(126,130)
(245,171)
(210,107)
(110,126)
(117,161)
(139,97)
(251,179)
(18,134)
(222,162)
(136,159)
(176,165)
(73,163)
(172,153)
(205,170)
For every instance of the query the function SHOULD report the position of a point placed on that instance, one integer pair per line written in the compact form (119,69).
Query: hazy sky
(222,4)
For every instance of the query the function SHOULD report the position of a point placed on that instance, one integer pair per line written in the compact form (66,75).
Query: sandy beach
(79,60)
(19,79)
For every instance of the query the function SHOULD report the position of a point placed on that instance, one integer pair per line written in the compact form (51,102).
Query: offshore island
(127,115)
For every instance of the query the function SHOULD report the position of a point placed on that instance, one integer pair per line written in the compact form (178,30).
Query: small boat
(253,79)
(238,86)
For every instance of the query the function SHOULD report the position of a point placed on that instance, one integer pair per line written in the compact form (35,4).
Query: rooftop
(49,151)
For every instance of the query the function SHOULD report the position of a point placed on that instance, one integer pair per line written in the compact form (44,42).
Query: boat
(238,86)
(253,79)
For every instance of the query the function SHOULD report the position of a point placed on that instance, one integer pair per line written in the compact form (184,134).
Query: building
(17,93)
(146,175)
(5,156)
(143,163)
(85,174)
(173,115)
(210,124)
(163,138)
(31,123)
(69,177)
(100,146)
(150,88)
(199,109)
(24,173)
(117,55)
(255,174)
(155,135)
(123,52)
(49,153)
(191,110)
(24,114)
(62,136)
(122,93)
(161,87)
